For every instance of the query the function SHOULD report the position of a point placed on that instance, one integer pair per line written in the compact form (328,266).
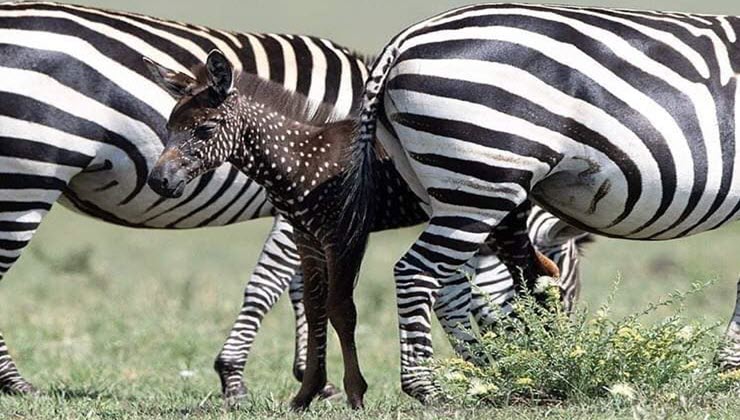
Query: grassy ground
(116,344)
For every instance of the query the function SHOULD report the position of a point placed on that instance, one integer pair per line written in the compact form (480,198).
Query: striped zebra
(621,122)
(81,122)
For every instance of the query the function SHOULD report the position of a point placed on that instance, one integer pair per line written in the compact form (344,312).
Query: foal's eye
(206,130)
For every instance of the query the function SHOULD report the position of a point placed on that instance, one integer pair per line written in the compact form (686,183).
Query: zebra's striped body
(621,122)
(80,121)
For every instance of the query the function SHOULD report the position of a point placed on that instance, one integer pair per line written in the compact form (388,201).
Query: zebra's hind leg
(445,246)
(729,357)
(277,266)
(452,308)
(493,290)
(514,248)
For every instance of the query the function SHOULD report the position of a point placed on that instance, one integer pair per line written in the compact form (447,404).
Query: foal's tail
(356,218)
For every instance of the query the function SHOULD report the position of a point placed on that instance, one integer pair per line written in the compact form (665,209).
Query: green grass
(113,345)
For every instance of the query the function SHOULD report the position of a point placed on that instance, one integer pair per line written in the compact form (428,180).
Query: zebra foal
(621,122)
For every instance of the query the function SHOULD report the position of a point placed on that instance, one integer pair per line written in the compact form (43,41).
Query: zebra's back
(74,82)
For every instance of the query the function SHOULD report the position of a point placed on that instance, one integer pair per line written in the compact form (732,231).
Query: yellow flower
(577,352)
(690,366)
(454,376)
(525,381)
(732,375)
(623,390)
(478,387)
(686,333)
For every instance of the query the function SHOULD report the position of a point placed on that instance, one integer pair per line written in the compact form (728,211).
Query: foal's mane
(292,105)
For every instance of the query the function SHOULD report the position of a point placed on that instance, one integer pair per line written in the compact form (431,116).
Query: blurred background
(144,306)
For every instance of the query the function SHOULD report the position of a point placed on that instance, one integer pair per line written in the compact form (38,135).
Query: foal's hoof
(356,403)
(300,404)
(329,392)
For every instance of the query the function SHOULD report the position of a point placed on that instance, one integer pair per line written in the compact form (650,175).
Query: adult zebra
(80,121)
(621,122)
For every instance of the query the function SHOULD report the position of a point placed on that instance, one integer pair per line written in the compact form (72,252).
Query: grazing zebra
(81,122)
(621,122)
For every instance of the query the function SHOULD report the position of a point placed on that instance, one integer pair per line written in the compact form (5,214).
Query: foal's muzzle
(169,176)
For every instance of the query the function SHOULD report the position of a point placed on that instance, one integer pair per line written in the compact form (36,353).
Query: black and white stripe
(81,122)
(621,122)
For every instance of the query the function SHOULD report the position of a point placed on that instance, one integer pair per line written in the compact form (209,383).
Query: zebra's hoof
(235,394)
(21,388)
(329,392)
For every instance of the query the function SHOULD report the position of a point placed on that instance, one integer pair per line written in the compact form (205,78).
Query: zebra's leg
(452,308)
(277,267)
(301,337)
(513,247)
(436,257)
(313,264)
(729,357)
(566,257)
(493,289)
(11,381)
(20,216)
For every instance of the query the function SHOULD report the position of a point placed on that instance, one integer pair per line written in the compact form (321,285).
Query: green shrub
(542,356)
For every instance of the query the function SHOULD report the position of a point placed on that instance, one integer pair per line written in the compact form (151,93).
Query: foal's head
(202,127)
(279,138)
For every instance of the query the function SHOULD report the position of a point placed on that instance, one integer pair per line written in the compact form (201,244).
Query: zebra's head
(202,127)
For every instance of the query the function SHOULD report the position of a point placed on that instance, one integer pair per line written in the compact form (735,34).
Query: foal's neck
(289,157)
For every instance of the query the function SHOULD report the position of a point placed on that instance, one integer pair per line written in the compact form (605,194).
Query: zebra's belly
(597,197)
(112,190)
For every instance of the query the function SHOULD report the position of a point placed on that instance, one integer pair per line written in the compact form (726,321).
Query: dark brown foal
(294,149)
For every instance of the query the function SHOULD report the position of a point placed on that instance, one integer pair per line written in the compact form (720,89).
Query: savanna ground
(134,334)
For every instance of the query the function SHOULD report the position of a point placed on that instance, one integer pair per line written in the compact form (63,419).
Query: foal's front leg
(313,263)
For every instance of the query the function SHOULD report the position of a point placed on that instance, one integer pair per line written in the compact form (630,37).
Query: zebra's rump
(622,122)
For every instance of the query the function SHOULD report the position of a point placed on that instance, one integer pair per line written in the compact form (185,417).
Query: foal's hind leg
(343,267)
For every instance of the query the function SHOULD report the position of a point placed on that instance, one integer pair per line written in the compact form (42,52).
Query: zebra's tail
(356,217)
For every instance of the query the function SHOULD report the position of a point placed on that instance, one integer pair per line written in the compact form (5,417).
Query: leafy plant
(542,355)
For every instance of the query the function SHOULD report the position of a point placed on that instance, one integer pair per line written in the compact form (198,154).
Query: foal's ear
(177,84)
(220,73)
